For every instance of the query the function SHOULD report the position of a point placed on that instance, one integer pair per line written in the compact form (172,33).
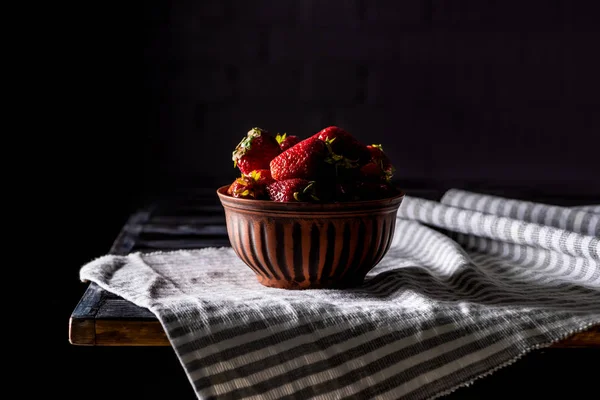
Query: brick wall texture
(457,91)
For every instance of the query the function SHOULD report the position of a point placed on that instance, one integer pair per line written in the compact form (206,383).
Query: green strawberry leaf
(280,138)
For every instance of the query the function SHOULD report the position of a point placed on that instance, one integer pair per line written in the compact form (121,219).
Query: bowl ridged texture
(307,245)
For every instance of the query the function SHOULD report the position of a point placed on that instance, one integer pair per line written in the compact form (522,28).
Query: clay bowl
(310,245)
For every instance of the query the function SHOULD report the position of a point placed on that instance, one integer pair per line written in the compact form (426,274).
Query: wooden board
(193,220)
(103,319)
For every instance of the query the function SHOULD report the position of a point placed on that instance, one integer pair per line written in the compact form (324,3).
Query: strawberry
(255,151)
(253,185)
(285,142)
(372,172)
(344,144)
(380,158)
(242,187)
(303,160)
(292,190)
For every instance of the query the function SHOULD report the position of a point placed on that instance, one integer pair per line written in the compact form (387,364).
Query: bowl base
(306,284)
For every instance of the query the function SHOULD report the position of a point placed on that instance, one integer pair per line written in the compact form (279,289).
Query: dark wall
(460,93)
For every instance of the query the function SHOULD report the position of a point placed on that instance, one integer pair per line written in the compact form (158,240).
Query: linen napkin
(469,285)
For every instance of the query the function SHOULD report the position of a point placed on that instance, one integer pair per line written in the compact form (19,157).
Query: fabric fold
(500,228)
(584,220)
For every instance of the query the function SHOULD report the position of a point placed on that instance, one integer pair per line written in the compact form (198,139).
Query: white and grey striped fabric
(468,286)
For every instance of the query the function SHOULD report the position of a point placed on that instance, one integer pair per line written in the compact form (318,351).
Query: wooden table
(195,219)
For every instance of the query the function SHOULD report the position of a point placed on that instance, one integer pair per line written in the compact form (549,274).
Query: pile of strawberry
(330,166)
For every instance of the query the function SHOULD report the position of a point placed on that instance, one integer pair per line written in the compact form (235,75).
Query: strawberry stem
(280,138)
(245,144)
(309,186)
(255,175)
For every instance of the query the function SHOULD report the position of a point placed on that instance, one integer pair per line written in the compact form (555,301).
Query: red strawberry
(255,151)
(292,190)
(253,185)
(372,172)
(380,158)
(303,160)
(344,144)
(285,142)
(242,187)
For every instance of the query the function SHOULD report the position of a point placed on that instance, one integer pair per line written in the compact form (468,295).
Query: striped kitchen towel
(469,285)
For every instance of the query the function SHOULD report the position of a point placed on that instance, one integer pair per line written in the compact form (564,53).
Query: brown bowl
(310,245)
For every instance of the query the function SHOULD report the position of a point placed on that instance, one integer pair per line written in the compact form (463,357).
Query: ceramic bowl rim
(252,204)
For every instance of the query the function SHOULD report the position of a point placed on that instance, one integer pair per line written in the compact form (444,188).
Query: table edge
(107,332)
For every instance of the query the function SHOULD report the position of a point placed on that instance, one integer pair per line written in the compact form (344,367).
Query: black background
(147,97)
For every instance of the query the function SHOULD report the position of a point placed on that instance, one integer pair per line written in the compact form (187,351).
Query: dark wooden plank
(589,338)
(173,244)
(150,236)
(110,332)
(191,208)
(191,219)
(89,303)
(82,324)
(126,239)
(184,228)
(82,332)
(118,308)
